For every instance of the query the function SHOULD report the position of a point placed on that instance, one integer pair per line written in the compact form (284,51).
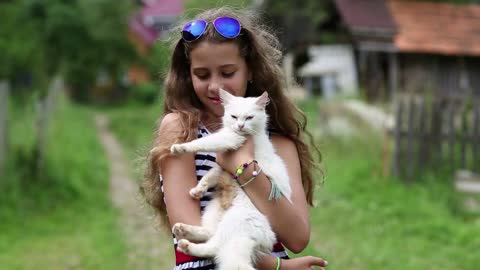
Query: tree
(68,39)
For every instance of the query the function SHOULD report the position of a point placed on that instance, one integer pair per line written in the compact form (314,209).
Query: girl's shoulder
(171,122)
(172,126)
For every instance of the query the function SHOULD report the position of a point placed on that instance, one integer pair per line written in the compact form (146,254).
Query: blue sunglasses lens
(227,27)
(193,30)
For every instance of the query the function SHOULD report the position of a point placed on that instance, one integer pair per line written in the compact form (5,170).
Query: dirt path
(148,247)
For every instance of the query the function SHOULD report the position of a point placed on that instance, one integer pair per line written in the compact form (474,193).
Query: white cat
(233,231)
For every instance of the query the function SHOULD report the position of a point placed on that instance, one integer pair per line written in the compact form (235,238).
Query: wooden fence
(442,133)
(4,90)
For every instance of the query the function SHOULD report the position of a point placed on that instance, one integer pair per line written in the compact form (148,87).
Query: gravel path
(148,248)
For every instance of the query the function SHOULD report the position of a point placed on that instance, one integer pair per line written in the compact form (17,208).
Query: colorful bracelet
(279,263)
(255,173)
(241,168)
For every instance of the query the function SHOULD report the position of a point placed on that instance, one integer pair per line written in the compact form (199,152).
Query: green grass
(366,221)
(134,126)
(62,219)
(363,220)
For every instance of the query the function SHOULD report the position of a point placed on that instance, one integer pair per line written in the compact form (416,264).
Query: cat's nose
(240,126)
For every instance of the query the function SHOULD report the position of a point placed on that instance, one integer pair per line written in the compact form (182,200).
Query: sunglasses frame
(214,26)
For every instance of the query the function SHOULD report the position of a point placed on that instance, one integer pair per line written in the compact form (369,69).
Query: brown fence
(441,133)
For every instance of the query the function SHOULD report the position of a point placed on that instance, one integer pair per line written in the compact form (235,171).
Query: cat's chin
(242,132)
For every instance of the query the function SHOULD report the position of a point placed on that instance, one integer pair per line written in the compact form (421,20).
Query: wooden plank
(422,134)
(463,135)
(410,161)
(398,137)
(476,136)
(436,132)
(451,133)
(393,74)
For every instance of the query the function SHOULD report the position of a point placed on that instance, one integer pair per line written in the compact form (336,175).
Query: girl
(229,50)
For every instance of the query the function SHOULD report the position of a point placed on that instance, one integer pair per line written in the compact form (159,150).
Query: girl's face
(214,66)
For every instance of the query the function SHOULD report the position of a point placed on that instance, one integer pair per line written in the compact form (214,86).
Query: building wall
(333,62)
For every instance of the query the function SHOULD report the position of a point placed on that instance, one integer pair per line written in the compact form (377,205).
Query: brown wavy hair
(262,53)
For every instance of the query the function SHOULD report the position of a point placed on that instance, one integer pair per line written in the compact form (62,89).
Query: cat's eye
(249,117)
(233,116)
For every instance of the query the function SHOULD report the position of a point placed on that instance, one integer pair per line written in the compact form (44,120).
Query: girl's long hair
(262,53)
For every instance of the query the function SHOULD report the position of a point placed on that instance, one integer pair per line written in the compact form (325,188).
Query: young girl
(229,50)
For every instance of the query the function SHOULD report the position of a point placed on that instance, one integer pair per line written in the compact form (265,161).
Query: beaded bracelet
(241,168)
(275,192)
(254,175)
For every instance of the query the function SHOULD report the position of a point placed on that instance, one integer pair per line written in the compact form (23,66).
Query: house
(414,46)
(330,72)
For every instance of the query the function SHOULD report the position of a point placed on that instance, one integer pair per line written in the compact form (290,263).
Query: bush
(145,93)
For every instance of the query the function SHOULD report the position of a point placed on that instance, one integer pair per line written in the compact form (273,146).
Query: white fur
(238,235)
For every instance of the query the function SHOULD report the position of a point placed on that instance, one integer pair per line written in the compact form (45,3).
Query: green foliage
(74,37)
(301,22)
(158,60)
(135,130)
(145,93)
(70,171)
(196,6)
(65,220)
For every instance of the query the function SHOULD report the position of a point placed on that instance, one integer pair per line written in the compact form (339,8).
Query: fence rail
(437,132)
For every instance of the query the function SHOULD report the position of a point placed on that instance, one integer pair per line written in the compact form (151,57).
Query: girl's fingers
(317,261)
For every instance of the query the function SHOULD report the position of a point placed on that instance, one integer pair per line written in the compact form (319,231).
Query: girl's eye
(202,76)
(233,116)
(249,117)
(228,75)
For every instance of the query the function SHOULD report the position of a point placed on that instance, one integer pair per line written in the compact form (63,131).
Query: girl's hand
(230,160)
(304,263)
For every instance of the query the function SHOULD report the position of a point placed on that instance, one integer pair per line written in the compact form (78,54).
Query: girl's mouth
(215,100)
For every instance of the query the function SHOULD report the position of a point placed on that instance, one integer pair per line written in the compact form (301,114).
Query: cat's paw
(179,230)
(177,149)
(183,246)
(197,192)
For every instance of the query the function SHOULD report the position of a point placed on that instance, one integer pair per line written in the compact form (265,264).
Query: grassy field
(63,219)
(363,220)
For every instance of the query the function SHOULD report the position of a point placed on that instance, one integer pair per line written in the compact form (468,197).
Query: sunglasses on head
(227,27)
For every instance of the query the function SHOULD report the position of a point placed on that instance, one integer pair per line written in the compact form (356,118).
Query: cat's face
(244,115)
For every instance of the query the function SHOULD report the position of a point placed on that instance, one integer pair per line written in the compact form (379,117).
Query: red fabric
(183,258)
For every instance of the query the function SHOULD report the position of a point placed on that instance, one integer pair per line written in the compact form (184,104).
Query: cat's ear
(263,100)
(225,97)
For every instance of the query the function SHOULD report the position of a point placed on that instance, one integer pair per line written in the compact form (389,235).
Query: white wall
(333,59)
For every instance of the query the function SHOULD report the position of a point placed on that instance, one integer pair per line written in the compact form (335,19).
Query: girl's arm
(283,215)
(179,177)
(300,263)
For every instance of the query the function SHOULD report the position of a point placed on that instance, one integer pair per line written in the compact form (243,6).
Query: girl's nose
(214,85)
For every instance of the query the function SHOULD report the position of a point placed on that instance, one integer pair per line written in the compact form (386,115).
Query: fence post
(397,133)
(4,91)
(410,160)
(451,134)
(476,136)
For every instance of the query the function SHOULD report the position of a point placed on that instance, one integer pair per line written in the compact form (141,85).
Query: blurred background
(391,90)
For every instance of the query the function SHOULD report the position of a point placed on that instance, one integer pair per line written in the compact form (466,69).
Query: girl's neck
(211,122)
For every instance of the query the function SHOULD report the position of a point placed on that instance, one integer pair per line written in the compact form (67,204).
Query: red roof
(162,7)
(366,14)
(143,22)
(436,28)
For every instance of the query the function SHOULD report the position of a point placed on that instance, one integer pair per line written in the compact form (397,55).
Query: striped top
(204,161)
